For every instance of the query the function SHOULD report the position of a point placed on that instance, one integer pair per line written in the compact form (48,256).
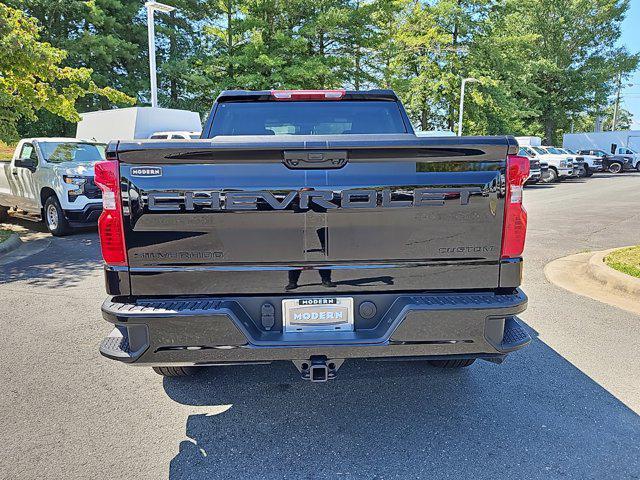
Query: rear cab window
(341,117)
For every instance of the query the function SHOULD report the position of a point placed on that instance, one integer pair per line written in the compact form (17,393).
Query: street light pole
(152,56)
(151,8)
(464,82)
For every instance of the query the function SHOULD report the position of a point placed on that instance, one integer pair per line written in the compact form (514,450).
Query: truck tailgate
(247,215)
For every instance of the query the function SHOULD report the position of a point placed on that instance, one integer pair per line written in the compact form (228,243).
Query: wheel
(54,217)
(615,167)
(458,363)
(4,213)
(552,175)
(638,166)
(174,371)
(582,172)
(588,171)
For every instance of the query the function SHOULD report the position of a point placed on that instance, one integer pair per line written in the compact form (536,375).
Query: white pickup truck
(51,179)
(631,154)
(560,166)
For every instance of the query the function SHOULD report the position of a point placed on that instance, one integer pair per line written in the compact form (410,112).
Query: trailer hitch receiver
(318,368)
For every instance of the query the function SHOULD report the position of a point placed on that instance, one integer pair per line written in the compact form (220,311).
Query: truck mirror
(28,163)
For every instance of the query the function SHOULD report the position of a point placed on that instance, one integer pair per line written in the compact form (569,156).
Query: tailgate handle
(302,159)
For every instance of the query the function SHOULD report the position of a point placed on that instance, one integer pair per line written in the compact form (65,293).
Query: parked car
(51,179)
(298,232)
(560,166)
(174,135)
(631,154)
(592,163)
(611,163)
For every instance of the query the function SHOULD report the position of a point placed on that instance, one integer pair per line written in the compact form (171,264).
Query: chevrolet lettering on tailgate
(306,199)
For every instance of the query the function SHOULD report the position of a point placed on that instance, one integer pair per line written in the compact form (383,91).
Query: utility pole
(616,107)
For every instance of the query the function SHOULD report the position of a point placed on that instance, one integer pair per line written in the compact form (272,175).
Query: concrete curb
(610,278)
(10,244)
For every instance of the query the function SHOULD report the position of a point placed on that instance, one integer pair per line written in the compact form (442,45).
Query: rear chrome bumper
(212,331)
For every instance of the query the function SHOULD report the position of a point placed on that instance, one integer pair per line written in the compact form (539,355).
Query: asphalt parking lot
(565,407)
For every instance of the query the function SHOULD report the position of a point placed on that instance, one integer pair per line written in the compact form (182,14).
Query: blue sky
(631,40)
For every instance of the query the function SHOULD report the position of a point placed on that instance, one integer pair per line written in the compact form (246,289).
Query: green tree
(502,58)
(32,76)
(107,36)
(586,121)
(577,60)
(418,69)
(183,80)
(541,63)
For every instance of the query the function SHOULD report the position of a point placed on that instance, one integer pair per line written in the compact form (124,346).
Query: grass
(6,151)
(4,234)
(625,260)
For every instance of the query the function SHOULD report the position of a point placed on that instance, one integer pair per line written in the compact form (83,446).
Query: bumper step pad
(115,345)
(515,336)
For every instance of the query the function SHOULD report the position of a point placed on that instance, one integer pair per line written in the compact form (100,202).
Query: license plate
(322,314)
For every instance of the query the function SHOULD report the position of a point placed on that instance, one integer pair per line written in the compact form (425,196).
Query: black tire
(457,363)
(552,175)
(588,171)
(4,213)
(54,218)
(615,167)
(582,172)
(638,166)
(174,371)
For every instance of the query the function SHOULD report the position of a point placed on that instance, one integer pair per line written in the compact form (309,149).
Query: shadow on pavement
(65,262)
(22,226)
(536,416)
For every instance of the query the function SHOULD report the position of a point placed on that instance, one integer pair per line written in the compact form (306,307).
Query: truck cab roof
(275,95)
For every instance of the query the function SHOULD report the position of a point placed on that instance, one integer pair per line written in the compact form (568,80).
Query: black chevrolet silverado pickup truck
(314,227)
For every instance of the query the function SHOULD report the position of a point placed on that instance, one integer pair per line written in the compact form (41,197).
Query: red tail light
(110,223)
(515,216)
(307,94)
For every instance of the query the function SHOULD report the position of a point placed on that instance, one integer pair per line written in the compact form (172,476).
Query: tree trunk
(356,80)
(549,131)
(424,119)
(173,47)
(230,69)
